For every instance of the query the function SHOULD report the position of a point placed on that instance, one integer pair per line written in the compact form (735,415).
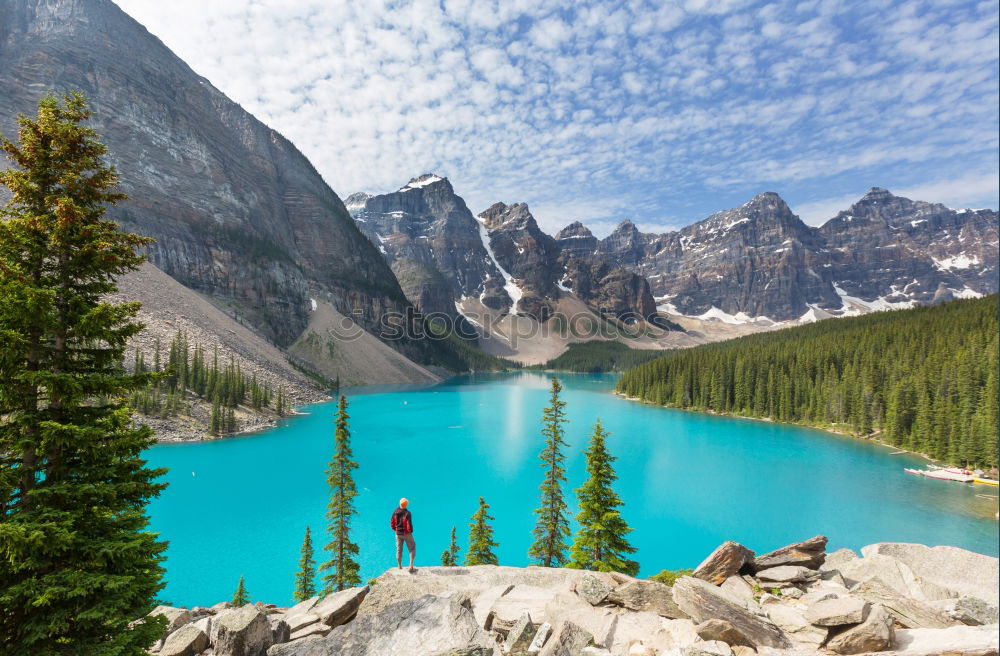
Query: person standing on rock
(402,524)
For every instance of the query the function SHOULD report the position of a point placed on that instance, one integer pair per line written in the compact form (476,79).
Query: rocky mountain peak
(499,214)
(877,194)
(575,229)
(426,180)
(357,200)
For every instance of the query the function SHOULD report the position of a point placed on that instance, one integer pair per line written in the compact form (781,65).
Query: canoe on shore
(948,474)
(986,481)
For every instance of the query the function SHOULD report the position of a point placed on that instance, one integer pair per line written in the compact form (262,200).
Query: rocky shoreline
(895,599)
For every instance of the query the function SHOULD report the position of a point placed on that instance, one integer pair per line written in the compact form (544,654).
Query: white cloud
(662,113)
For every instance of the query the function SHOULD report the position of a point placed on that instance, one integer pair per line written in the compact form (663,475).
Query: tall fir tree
(79,564)
(241,597)
(305,578)
(342,569)
(551,526)
(600,543)
(481,542)
(449,557)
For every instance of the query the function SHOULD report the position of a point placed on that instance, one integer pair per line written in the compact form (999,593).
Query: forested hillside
(922,379)
(599,356)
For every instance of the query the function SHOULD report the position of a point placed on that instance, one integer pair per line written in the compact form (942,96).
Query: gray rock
(304,647)
(959,640)
(301,614)
(467,651)
(520,636)
(957,570)
(835,559)
(703,601)
(315,629)
(340,607)
(714,629)
(708,648)
(280,631)
(541,637)
(968,610)
(507,610)
(647,595)
(737,585)
(874,634)
(727,560)
(242,632)
(793,622)
(422,626)
(188,640)
(593,590)
(594,651)
(787,574)
(176,617)
(837,611)
(910,613)
(568,639)
(811,554)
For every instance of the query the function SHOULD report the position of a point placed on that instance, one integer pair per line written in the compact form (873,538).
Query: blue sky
(658,112)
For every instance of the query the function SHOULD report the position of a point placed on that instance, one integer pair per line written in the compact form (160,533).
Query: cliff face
(761,261)
(433,244)
(238,212)
(444,256)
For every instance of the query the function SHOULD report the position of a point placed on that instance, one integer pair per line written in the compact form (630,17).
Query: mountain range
(243,220)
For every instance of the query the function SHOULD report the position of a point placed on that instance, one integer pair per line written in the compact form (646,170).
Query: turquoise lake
(689,481)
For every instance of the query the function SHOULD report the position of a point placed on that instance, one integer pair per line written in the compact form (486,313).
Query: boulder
(467,651)
(301,615)
(242,632)
(959,571)
(738,586)
(653,596)
(338,608)
(568,639)
(520,637)
(298,648)
(414,627)
(954,641)
(704,601)
(910,613)
(506,610)
(188,640)
(707,648)
(837,611)
(811,554)
(786,574)
(314,629)
(483,601)
(541,637)
(793,622)
(835,559)
(967,610)
(593,589)
(280,631)
(599,621)
(638,628)
(176,617)
(874,634)
(817,595)
(727,559)
(714,629)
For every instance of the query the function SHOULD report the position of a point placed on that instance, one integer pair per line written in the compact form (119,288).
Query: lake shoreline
(826,429)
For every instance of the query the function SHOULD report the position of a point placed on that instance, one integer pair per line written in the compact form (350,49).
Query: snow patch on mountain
(510,285)
(960,261)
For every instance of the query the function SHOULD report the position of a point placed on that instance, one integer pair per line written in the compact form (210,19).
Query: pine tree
(449,557)
(552,527)
(600,543)
(241,597)
(79,564)
(343,570)
(481,542)
(305,578)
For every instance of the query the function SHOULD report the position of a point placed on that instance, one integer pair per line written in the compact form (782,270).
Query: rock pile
(896,600)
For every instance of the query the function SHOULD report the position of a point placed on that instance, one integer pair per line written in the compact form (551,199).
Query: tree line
(923,379)
(186,372)
(598,356)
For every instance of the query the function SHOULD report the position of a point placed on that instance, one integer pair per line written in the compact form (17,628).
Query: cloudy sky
(661,112)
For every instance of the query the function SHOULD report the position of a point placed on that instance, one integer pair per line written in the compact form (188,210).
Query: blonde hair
(404,502)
